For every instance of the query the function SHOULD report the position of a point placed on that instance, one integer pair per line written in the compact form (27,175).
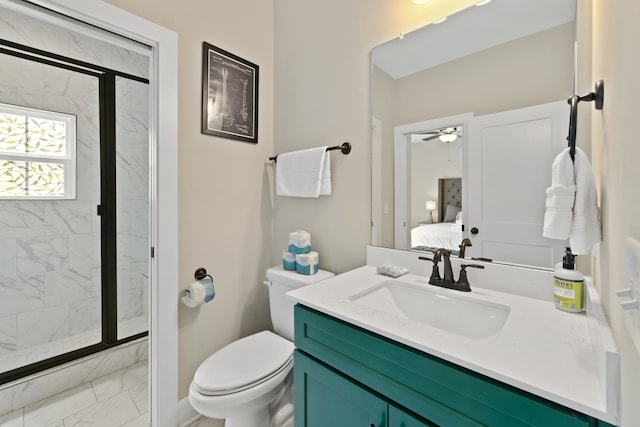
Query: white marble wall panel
(126,355)
(85,315)
(6,395)
(21,293)
(8,334)
(8,254)
(129,304)
(84,253)
(41,387)
(69,216)
(42,326)
(48,36)
(21,218)
(37,255)
(65,286)
(8,24)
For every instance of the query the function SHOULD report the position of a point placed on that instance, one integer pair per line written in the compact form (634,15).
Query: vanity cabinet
(348,376)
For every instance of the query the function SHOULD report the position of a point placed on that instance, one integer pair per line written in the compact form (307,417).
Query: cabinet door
(324,398)
(400,418)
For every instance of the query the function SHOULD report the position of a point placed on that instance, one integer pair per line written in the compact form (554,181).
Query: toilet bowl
(249,381)
(242,380)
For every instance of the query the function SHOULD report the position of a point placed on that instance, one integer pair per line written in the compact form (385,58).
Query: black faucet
(463,246)
(462,284)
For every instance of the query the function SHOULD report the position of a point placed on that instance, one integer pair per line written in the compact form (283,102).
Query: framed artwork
(229,95)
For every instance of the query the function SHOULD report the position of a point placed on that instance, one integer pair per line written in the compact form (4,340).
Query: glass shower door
(50,253)
(132,206)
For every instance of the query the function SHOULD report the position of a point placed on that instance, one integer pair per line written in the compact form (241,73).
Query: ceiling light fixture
(483,2)
(448,137)
(439,21)
(420,1)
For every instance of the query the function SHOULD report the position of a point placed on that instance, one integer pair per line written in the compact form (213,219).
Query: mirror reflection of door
(509,169)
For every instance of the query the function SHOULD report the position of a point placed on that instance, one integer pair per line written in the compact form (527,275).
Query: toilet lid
(243,363)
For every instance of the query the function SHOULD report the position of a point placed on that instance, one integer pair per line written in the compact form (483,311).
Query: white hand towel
(585,226)
(299,173)
(325,184)
(560,198)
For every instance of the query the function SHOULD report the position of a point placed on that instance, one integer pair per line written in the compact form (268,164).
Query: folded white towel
(572,206)
(560,198)
(585,227)
(300,173)
(559,213)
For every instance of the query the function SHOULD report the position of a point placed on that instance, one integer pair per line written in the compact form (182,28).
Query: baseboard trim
(186,413)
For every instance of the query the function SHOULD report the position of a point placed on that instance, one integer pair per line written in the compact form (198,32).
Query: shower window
(37,154)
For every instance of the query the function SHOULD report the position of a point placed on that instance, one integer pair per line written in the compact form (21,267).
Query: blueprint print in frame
(229,95)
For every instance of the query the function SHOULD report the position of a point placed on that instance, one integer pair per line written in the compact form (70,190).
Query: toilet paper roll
(288,261)
(199,292)
(300,242)
(307,263)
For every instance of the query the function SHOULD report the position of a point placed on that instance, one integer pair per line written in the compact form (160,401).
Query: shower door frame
(163,85)
(106,209)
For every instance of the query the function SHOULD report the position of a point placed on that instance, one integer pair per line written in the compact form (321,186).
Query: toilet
(249,382)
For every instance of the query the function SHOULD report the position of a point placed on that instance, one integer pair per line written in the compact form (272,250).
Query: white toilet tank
(281,281)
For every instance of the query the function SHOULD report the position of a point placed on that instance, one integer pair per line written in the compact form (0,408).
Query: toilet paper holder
(187,299)
(201,273)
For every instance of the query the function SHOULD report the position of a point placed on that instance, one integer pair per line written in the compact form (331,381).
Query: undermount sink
(461,315)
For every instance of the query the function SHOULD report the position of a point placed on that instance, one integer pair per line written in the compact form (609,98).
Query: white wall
(615,153)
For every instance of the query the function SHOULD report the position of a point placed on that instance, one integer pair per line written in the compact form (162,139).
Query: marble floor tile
(115,411)
(120,399)
(56,408)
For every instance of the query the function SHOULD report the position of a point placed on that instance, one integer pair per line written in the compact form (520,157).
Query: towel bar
(345,147)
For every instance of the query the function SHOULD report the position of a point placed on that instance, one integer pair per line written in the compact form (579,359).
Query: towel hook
(597,96)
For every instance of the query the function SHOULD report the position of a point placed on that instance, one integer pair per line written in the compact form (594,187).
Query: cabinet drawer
(431,387)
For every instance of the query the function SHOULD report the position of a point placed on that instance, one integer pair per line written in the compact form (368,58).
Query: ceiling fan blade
(431,137)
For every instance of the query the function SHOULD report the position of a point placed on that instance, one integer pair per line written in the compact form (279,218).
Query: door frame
(402,171)
(163,129)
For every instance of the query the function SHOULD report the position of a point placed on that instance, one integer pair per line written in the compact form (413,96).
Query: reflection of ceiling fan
(445,135)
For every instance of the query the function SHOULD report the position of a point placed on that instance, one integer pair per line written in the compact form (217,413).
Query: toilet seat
(243,364)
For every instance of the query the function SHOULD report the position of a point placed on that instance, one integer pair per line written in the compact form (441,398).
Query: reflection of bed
(441,235)
(446,234)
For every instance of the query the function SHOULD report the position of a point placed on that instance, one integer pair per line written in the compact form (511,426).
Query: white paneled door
(509,159)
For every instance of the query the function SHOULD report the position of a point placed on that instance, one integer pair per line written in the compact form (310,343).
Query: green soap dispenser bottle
(568,285)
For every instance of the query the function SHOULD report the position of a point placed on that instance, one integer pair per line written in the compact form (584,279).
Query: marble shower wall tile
(8,255)
(21,293)
(123,356)
(21,218)
(41,254)
(8,335)
(42,387)
(42,326)
(68,216)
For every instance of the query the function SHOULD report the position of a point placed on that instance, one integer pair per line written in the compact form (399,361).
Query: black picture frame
(229,95)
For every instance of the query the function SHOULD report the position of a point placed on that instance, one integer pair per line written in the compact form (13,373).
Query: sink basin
(461,315)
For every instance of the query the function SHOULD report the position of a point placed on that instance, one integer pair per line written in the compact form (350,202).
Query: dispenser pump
(569,260)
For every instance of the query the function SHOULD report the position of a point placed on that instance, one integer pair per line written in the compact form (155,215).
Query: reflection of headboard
(449,193)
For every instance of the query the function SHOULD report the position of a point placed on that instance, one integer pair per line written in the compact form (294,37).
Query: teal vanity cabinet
(345,376)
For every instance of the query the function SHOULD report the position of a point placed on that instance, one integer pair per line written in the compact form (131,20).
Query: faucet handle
(463,281)
(435,272)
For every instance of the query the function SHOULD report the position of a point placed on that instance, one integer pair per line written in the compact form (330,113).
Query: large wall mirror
(468,115)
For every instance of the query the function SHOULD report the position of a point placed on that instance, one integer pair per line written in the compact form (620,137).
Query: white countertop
(551,353)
